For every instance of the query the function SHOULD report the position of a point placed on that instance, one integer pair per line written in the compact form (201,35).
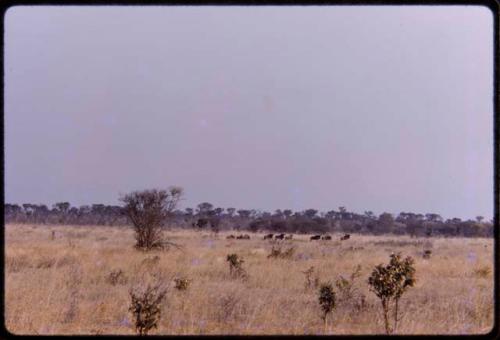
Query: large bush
(148,210)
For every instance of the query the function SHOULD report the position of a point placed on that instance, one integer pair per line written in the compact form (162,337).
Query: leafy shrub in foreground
(389,283)
(146,307)
(327,300)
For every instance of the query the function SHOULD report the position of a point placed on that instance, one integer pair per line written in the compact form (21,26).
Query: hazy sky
(373,108)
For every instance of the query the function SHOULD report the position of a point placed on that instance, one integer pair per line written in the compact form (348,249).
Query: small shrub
(311,282)
(389,283)
(116,277)
(427,254)
(327,300)
(182,283)
(399,243)
(226,306)
(482,272)
(150,261)
(16,264)
(146,307)
(67,260)
(235,266)
(45,263)
(277,253)
(348,293)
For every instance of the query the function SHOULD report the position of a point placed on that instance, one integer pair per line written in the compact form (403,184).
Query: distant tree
(385,223)
(433,217)
(204,208)
(244,213)
(310,213)
(28,209)
(470,228)
(147,211)
(258,224)
(332,214)
(202,223)
(231,211)
(61,207)
(278,214)
(479,219)
(343,213)
(287,213)
(216,212)
(369,215)
(266,214)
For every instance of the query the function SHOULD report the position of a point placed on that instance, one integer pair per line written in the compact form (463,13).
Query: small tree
(389,283)
(147,211)
(327,300)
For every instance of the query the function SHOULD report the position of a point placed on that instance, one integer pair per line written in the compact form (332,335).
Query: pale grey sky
(373,108)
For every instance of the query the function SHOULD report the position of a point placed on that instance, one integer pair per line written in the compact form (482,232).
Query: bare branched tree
(148,210)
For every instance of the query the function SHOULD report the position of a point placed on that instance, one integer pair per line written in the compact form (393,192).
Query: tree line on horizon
(208,217)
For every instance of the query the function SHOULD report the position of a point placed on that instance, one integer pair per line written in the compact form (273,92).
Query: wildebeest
(345,237)
(268,236)
(315,237)
(326,237)
(288,237)
(243,237)
(279,237)
(230,237)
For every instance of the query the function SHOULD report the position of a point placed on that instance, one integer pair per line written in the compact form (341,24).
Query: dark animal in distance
(288,237)
(230,237)
(315,237)
(243,237)
(268,236)
(326,237)
(279,237)
(345,237)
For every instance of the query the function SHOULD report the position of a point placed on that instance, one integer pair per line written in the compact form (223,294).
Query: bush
(310,281)
(146,307)
(147,210)
(389,283)
(182,283)
(277,253)
(347,291)
(482,272)
(235,266)
(326,300)
(427,254)
(116,277)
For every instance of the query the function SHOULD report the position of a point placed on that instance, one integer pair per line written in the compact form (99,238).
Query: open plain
(76,280)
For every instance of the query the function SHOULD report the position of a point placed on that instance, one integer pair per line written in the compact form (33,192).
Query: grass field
(60,284)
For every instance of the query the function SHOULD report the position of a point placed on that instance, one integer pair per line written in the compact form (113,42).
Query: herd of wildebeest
(287,237)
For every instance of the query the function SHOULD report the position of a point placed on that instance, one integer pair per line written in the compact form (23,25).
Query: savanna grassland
(76,280)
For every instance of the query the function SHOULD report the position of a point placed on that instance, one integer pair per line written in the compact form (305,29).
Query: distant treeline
(207,217)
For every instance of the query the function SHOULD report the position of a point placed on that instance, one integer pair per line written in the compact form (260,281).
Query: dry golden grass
(70,285)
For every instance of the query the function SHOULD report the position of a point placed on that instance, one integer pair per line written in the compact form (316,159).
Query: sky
(380,108)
